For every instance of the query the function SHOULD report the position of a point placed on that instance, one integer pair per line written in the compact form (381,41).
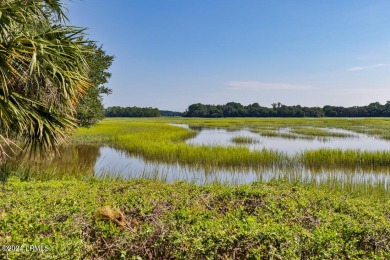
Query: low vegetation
(317,132)
(111,219)
(244,140)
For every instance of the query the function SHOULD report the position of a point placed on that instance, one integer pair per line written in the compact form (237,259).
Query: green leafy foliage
(180,220)
(43,73)
(90,108)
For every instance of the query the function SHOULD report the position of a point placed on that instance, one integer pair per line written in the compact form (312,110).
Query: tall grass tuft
(244,140)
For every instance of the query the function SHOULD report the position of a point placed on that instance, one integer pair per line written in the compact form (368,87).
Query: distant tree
(170,113)
(313,112)
(196,110)
(298,111)
(233,109)
(330,111)
(132,112)
(375,109)
(215,111)
(386,110)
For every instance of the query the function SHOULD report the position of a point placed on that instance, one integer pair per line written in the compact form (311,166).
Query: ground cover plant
(112,219)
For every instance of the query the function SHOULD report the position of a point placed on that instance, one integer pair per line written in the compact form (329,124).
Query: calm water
(290,146)
(115,162)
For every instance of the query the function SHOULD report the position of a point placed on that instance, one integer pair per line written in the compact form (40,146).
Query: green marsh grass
(156,140)
(275,133)
(316,132)
(337,158)
(244,140)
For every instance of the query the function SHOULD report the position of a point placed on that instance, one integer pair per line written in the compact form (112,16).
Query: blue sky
(173,53)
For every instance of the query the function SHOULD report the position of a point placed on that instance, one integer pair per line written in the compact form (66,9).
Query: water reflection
(70,159)
(223,137)
(119,163)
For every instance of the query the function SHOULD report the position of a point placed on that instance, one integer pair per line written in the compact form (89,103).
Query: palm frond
(43,73)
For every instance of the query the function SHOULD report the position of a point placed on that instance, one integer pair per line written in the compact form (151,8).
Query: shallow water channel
(353,140)
(115,162)
(110,161)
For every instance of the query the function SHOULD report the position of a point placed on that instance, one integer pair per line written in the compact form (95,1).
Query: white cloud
(379,65)
(253,85)
(358,68)
(368,67)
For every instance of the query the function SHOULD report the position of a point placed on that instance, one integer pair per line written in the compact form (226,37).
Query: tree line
(118,111)
(170,113)
(233,109)
(134,111)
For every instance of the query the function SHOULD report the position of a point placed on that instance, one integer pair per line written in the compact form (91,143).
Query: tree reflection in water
(70,160)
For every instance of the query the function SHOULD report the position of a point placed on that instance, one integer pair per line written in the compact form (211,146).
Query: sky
(170,54)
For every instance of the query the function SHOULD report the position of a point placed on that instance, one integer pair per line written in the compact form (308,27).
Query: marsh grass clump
(275,133)
(244,140)
(317,132)
(338,158)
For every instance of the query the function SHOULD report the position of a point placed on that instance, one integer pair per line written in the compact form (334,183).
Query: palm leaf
(43,73)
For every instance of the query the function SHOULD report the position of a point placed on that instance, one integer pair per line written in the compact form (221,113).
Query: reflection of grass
(72,162)
(244,140)
(42,171)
